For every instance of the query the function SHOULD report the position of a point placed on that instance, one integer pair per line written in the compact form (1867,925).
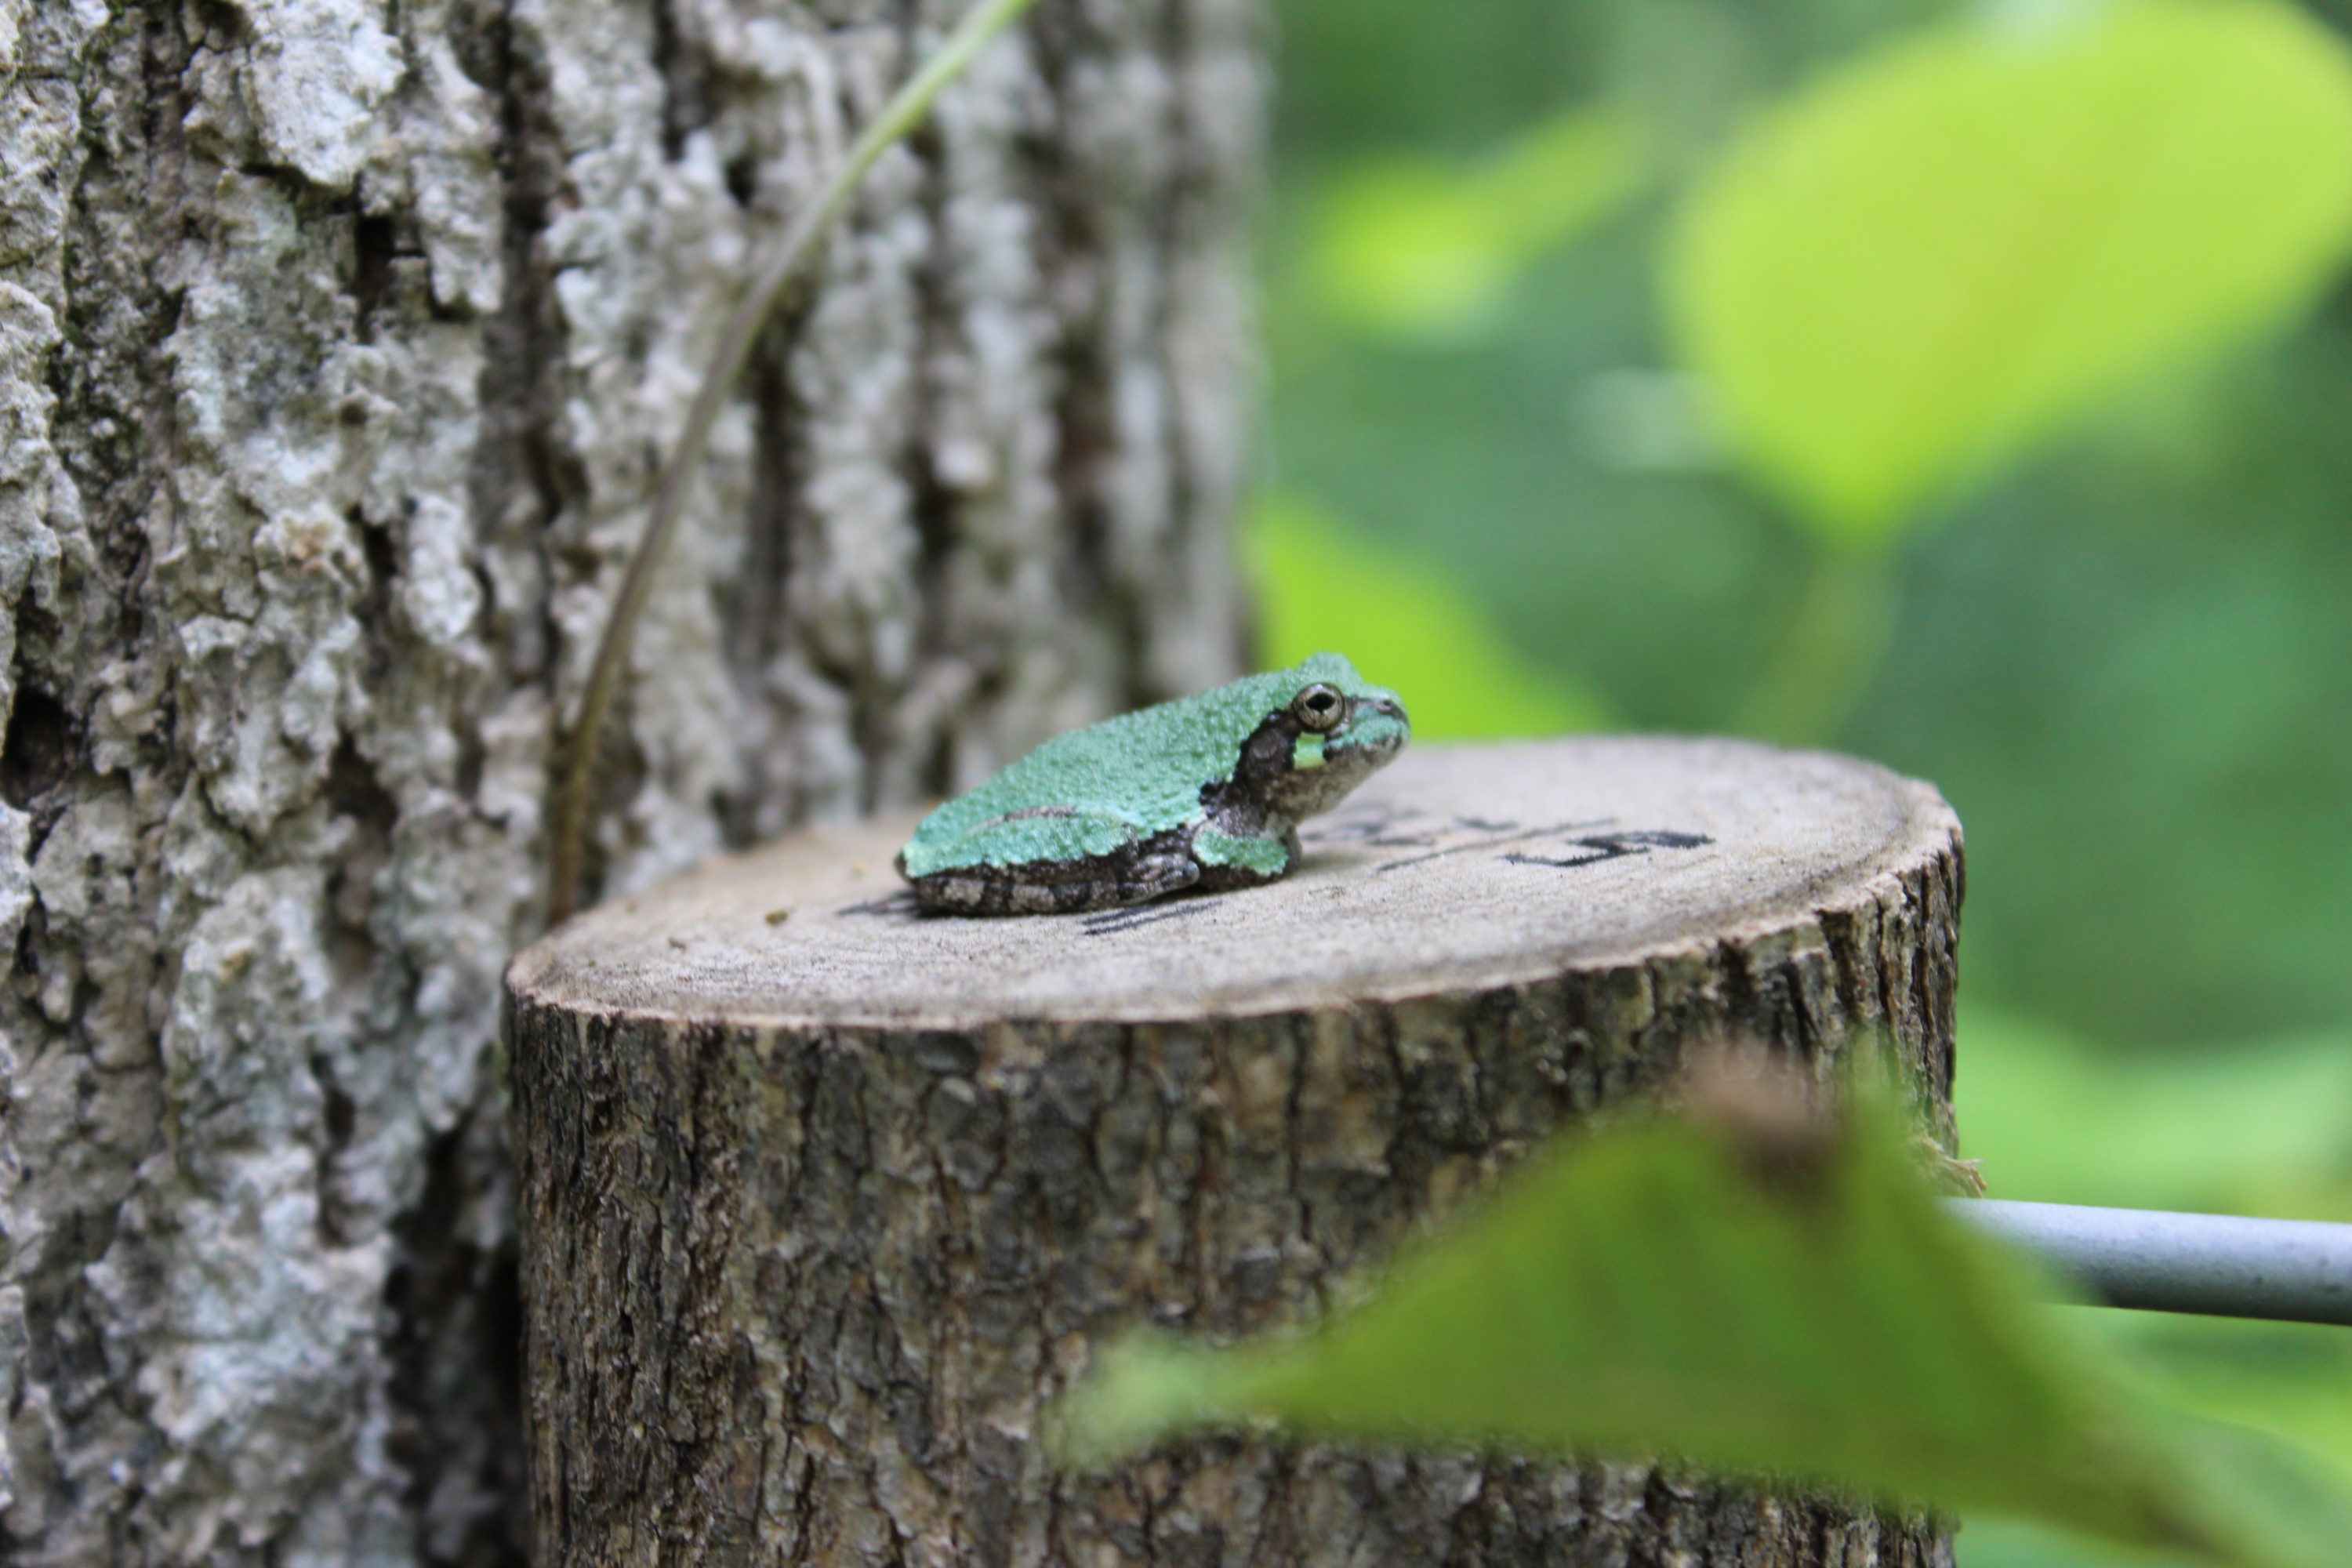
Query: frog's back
(1146,767)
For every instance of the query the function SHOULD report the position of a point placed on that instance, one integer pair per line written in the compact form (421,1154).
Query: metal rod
(2294,1270)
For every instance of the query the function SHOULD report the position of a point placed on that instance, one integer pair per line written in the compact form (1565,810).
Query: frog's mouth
(1377,728)
(1324,767)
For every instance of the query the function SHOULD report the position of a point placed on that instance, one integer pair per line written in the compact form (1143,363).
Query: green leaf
(1416,247)
(1649,1291)
(2263,1127)
(1953,247)
(1322,584)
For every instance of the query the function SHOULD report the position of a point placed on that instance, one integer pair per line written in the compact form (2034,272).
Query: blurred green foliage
(2259,1128)
(2115,622)
(2255,1129)
(1951,245)
(2126,658)
(1326,589)
(1415,247)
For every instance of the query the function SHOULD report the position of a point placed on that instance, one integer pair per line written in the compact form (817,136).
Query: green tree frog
(1205,792)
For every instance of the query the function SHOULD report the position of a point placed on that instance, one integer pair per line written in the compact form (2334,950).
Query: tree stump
(824,1198)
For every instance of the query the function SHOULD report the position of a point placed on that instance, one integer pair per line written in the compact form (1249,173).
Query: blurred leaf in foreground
(1415,247)
(1762,1295)
(1322,584)
(1947,249)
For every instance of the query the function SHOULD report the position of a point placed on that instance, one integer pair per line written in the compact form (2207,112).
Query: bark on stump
(822,1199)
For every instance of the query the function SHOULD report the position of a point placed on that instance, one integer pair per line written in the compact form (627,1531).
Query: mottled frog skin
(1206,792)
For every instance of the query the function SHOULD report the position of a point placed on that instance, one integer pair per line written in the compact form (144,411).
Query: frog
(1202,793)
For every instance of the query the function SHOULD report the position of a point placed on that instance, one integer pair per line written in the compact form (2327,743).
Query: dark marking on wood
(1599,847)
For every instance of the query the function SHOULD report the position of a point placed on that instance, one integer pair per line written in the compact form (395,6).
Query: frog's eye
(1319,706)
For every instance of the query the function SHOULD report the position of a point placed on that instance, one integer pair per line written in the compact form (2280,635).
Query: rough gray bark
(823,1199)
(338,340)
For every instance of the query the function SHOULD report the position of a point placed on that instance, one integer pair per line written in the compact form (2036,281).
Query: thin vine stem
(1833,648)
(905,111)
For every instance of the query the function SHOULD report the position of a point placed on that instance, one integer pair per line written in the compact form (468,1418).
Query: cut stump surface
(823,1197)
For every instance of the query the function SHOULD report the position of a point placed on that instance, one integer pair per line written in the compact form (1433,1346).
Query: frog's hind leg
(1104,885)
(1019,883)
(978,890)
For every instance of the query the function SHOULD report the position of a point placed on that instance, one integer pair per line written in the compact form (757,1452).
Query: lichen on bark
(338,341)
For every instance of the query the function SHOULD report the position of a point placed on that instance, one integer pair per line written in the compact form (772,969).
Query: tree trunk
(338,341)
(824,1200)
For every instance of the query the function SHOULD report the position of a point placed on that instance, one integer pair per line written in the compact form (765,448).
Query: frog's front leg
(1260,853)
